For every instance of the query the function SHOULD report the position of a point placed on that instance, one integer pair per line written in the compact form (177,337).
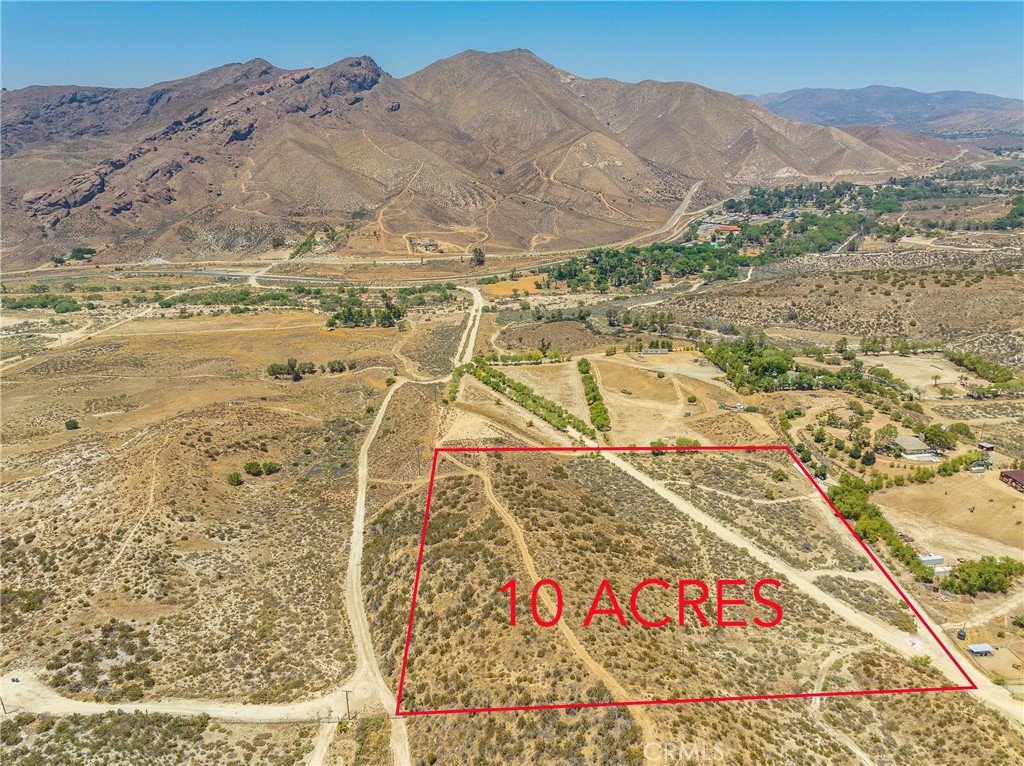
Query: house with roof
(911,445)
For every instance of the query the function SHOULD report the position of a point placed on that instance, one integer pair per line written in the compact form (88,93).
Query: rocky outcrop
(55,204)
(241,134)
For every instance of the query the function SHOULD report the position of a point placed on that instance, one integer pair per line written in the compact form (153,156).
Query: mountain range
(949,113)
(500,150)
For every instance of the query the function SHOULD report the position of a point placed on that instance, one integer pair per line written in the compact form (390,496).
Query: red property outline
(419,563)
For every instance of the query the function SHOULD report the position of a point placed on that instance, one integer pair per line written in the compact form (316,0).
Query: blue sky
(734,46)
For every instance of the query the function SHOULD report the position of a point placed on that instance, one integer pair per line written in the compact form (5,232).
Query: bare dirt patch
(566,337)
(941,508)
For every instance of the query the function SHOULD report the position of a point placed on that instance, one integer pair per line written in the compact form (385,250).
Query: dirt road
(366,688)
(995,696)
(468,342)
(638,714)
(819,684)
(367,669)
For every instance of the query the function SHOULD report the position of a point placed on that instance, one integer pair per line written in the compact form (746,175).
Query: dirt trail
(367,669)
(618,692)
(883,632)
(142,517)
(323,740)
(468,342)
(819,684)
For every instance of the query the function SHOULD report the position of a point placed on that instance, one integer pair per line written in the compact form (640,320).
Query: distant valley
(963,115)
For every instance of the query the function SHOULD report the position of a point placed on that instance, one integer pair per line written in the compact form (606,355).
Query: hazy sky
(734,46)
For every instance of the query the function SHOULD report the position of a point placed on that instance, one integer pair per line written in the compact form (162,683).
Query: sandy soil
(644,407)
(558,382)
(938,515)
(919,372)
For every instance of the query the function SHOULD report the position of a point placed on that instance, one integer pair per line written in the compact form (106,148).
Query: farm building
(911,445)
(655,350)
(980,650)
(728,227)
(986,446)
(930,559)
(1013,478)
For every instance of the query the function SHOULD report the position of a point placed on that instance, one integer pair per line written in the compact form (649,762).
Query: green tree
(938,438)
(71,424)
(885,435)
(234,478)
(253,468)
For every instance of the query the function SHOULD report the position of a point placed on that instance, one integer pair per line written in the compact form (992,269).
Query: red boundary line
(749,448)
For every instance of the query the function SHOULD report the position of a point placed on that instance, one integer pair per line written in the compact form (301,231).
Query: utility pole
(348,713)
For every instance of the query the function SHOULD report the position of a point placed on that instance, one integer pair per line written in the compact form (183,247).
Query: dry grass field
(565,337)
(645,407)
(558,382)
(959,508)
(152,740)
(142,570)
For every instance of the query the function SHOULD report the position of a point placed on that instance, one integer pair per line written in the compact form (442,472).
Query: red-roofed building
(728,228)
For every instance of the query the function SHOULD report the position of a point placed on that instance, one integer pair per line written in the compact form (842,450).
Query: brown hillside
(502,150)
(914,149)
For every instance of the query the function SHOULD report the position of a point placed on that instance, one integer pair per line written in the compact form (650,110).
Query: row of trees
(547,410)
(1001,377)
(851,497)
(295,369)
(599,416)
